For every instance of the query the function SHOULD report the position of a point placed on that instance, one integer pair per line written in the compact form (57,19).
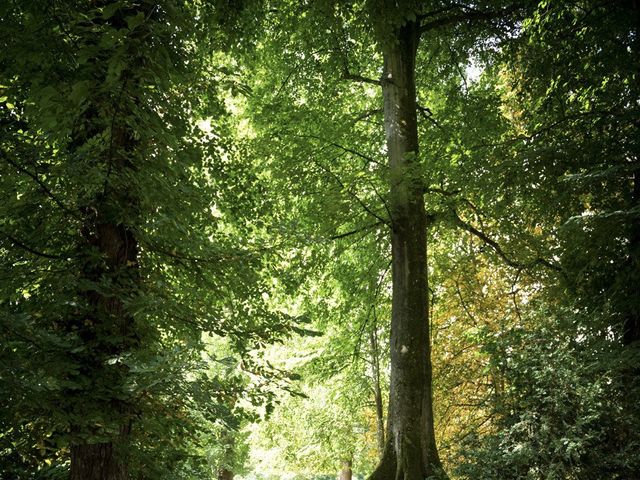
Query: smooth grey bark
(410,452)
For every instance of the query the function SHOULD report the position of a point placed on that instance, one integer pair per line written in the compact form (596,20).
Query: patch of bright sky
(204,124)
(473,71)
(236,105)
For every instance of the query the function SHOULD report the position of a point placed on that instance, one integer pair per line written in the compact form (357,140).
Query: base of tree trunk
(413,467)
(386,469)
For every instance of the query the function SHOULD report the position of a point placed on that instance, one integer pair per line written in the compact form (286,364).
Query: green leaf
(79,92)
(110,10)
(134,21)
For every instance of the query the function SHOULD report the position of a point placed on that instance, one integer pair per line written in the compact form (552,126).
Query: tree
(336,40)
(330,429)
(468,171)
(120,243)
(567,160)
(411,450)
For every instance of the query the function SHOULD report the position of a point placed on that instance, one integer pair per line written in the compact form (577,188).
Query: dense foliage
(197,215)
(124,234)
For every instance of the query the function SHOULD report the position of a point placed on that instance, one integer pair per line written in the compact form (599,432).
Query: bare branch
(442,191)
(367,114)
(381,198)
(463,303)
(427,114)
(344,149)
(364,206)
(359,78)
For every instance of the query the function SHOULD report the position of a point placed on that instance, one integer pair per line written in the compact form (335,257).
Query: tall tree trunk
(107,328)
(346,473)
(631,328)
(411,452)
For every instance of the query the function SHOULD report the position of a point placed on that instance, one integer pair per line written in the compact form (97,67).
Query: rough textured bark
(346,473)
(108,320)
(411,452)
(96,462)
(225,474)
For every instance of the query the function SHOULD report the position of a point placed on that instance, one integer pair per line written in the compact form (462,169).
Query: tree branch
(27,248)
(345,149)
(467,15)
(353,195)
(359,78)
(367,114)
(427,114)
(442,191)
(498,250)
(353,232)
(381,198)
